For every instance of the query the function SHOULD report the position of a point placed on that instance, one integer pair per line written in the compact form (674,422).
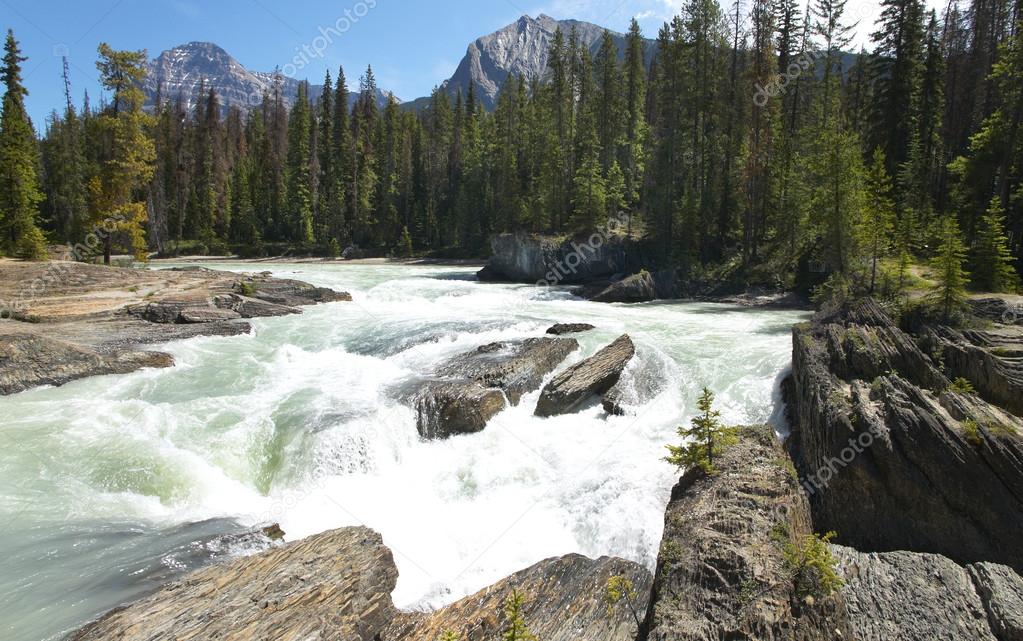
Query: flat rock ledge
(335,585)
(592,377)
(475,386)
(63,321)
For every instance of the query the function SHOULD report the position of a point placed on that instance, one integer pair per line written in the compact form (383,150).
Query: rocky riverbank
(611,268)
(63,321)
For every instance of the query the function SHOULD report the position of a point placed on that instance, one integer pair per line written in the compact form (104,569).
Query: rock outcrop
(641,288)
(892,456)
(474,386)
(527,258)
(927,597)
(991,359)
(564,601)
(721,572)
(28,360)
(335,585)
(592,377)
(63,321)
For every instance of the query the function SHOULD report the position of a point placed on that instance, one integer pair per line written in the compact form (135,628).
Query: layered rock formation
(720,572)
(475,386)
(564,601)
(592,377)
(642,287)
(337,585)
(527,258)
(892,456)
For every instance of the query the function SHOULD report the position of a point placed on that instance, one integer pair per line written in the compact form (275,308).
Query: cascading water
(114,484)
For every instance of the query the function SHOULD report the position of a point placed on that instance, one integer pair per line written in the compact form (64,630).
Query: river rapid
(112,485)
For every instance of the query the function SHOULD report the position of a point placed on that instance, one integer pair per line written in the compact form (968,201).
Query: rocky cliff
(533,259)
(892,455)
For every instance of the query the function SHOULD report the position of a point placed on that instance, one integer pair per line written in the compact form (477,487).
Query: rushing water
(111,485)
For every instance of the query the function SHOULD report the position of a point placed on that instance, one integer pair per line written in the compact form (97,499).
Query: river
(112,485)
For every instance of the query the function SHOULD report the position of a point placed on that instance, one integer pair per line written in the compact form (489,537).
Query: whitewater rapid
(113,484)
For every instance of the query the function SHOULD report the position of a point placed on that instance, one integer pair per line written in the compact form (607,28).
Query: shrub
(972,432)
(813,568)
(515,629)
(962,386)
(619,589)
(247,289)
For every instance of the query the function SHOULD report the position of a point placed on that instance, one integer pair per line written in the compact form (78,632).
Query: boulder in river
(593,376)
(335,585)
(530,258)
(564,601)
(640,288)
(569,328)
(474,385)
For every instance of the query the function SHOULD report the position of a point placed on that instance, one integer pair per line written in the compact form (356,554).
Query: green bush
(962,386)
(813,568)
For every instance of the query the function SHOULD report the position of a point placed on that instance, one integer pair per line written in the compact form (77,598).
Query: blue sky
(412,45)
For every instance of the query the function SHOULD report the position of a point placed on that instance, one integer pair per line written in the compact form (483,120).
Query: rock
(290,293)
(253,308)
(490,275)
(529,258)
(515,367)
(335,585)
(569,328)
(891,457)
(910,597)
(447,408)
(721,573)
(1001,591)
(593,376)
(998,310)
(474,385)
(28,360)
(640,288)
(990,359)
(564,601)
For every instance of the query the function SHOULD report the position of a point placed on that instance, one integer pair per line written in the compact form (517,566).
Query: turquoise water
(115,484)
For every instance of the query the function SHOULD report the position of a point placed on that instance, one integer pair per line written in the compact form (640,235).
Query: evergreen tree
(515,625)
(949,296)
(299,174)
(127,162)
(19,164)
(707,438)
(879,216)
(993,265)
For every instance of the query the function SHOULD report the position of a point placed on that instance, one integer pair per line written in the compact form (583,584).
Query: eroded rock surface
(564,601)
(335,585)
(640,288)
(593,376)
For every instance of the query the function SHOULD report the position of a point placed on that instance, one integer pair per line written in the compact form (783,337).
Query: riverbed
(112,485)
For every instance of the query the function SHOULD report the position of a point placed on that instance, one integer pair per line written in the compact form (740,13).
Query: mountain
(520,48)
(182,70)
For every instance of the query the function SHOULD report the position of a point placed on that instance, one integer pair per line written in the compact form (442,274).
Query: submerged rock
(335,585)
(569,328)
(474,385)
(895,459)
(564,601)
(593,376)
(721,572)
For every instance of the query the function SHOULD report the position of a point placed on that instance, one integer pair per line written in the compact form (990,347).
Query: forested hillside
(754,142)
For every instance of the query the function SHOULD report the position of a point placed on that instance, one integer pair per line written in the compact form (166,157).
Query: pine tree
(994,267)
(19,164)
(634,150)
(707,437)
(128,162)
(949,296)
(515,626)
(299,173)
(878,220)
